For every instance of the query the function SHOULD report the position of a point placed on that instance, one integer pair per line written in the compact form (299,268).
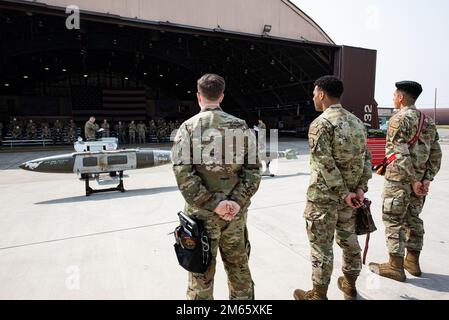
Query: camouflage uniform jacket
(340,161)
(132,127)
(205,184)
(423,160)
(141,127)
(31,127)
(120,128)
(58,125)
(90,129)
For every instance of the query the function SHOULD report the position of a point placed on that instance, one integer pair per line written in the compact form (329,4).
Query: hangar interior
(124,70)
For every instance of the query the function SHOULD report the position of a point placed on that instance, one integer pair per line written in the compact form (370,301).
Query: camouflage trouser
(122,137)
(132,137)
(232,240)
(401,210)
(322,222)
(142,137)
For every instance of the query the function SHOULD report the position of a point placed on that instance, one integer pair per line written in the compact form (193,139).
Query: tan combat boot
(394,269)
(411,263)
(347,285)
(317,293)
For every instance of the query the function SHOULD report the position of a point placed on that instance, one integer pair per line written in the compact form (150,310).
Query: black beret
(411,87)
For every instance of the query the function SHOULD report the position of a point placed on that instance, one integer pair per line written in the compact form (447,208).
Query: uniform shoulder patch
(237,124)
(314,130)
(395,123)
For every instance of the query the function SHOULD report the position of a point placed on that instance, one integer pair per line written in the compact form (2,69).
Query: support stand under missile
(267,172)
(89,190)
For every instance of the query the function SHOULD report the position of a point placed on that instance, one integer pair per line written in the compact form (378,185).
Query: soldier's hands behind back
(234,208)
(222,208)
(419,189)
(351,200)
(227,210)
(426,186)
(360,195)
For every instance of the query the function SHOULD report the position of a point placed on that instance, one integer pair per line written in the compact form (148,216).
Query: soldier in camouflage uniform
(105,125)
(407,180)
(90,129)
(120,130)
(71,134)
(13,124)
(71,131)
(44,123)
(57,131)
(31,130)
(161,133)
(216,192)
(142,130)
(46,133)
(132,132)
(341,167)
(16,132)
(152,128)
(71,124)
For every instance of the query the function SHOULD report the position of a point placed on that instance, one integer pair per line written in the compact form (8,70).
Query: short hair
(211,86)
(410,88)
(331,85)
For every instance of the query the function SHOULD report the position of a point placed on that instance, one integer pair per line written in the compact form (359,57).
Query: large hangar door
(356,67)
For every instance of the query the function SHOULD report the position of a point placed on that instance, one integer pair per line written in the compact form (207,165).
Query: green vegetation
(376,133)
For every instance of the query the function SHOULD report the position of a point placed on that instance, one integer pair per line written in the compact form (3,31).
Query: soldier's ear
(221,98)
(401,96)
(322,95)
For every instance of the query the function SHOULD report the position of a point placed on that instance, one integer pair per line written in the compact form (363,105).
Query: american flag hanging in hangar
(117,104)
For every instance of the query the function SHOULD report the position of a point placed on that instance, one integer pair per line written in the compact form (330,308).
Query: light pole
(435,107)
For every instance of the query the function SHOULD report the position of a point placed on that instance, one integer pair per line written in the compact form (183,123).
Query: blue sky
(411,38)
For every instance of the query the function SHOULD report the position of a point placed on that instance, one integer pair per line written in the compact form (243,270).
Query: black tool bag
(192,245)
(365,225)
(364,219)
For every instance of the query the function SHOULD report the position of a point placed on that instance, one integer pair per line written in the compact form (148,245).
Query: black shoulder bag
(192,245)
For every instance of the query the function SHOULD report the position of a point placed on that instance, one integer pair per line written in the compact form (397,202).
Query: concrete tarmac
(55,243)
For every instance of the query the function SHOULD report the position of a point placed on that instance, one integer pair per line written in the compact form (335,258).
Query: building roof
(248,17)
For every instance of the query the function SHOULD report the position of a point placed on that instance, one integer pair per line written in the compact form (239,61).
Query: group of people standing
(126,133)
(30,130)
(341,168)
